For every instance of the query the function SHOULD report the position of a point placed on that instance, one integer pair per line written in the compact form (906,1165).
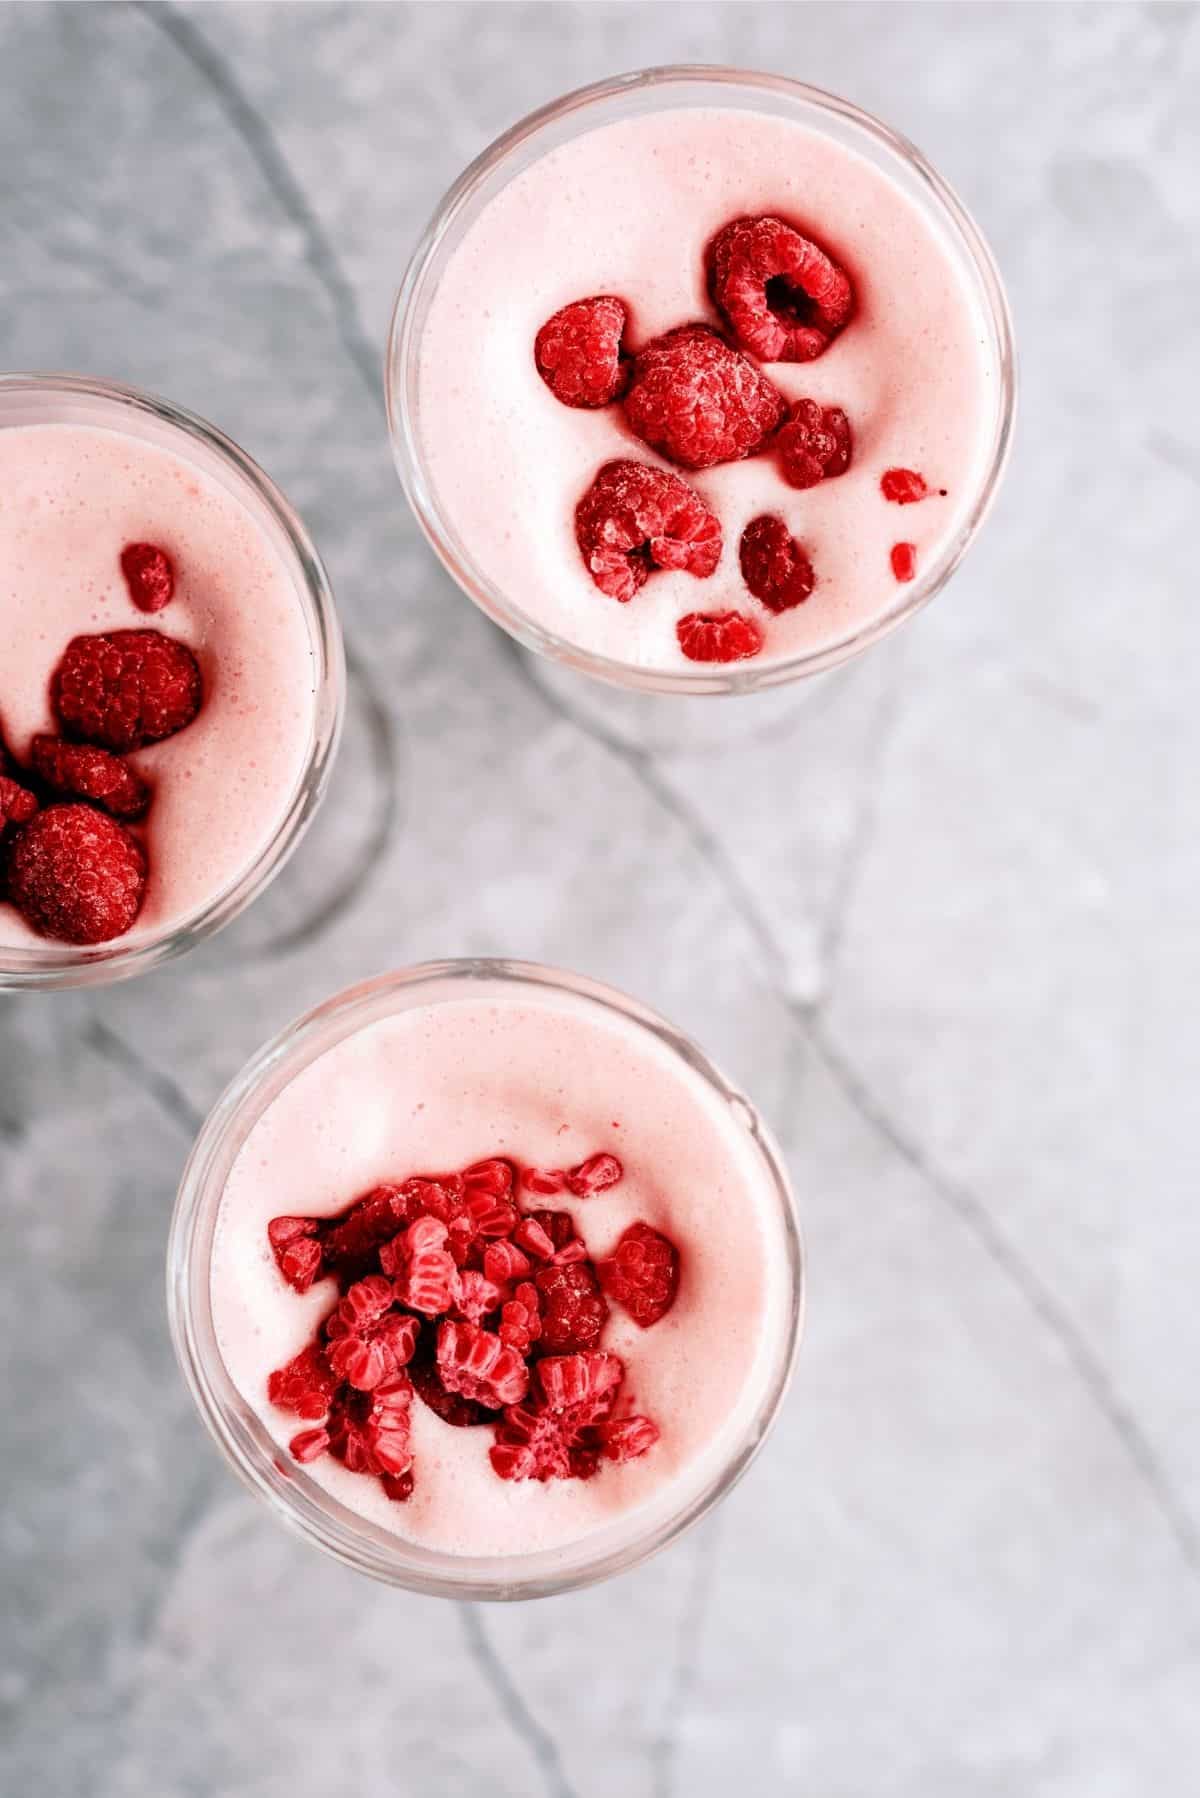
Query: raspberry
(573,1311)
(17,804)
(306,1385)
(477,1295)
(477,1365)
(388,1428)
(544,1180)
(75,874)
(718,636)
(368,1342)
(398,1487)
(783,298)
(89,773)
(496,1177)
(126,688)
(547,1440)
(351,1242)
(363,1304)
(489,1216)
(532,1235)
(149,575)
(296,1250)
(699,402)
(594,1175)
(635,518)
(627,1438)
(558,1227)
(451,1407)
(904,561)
(903,486)
(583,1384)
(428,1279)
(521,1318)
(308,1445)
(531,1444)
(814,445)
(578,352)
(642,1276)
(503,1261)
(774,566)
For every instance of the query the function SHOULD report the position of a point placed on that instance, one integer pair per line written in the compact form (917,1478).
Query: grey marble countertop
(937,913)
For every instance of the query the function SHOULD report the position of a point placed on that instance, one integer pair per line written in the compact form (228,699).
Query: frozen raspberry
(548,1437)
(531,1444)
(126,688)
(149,575)
(296,1250)
(904,561)
(544,1180)
(362,1305)
(75,874)
(774,566)
(578,352)
(583,1384)
(559,1227)
(306,1385)
(398,1487)
(350,1244)
(533,1236)
(451,1407)
(903,486)
(428,1279)
(477,1295)
(699,402)
(594,1175)
(489,1216)
(521,1318)
(388,1428)
(573,1310)
(627,1438)
(783,298)
(308,1445)
(635,518)
(814,445)
(369,1342)
(17,805)
(86,772)
(718,636)
(504,1261)
(425,1197)
(479,1366)
(642,1275)
(496,1177)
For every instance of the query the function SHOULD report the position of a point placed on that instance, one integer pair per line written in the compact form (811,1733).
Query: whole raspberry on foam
(579,352)
(75,874)
(635,518)
(698,402)
(783,298)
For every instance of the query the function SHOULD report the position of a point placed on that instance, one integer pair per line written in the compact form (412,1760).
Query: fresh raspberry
(308,1445)
(783,298)
(296,1249)
(545,1181)
(573,1311)
(627,1438)
(594,1175)
(814,445)
(699,402)
(126,688)
(89,773)
(642,1275)
(427,1280)
(350,1243)
(503,1261)
(635,518)
(479,1366)
(477,1295)
(585,1385)
(904,561)
(718,636)
(903,486)
(75,874)
(149,575)
(521,1318)
(774,566)
(17,804)
(578,352)
(307,1384)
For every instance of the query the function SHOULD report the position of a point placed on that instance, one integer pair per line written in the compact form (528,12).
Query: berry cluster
(69,862)
(452,1293)
(697,396)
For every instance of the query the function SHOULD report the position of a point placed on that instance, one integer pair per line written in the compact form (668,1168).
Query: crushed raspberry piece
(350,1243)
(532,1235)
(307,1384)
(126,688)
(86,772)
(774,566)
(368,1342)
(559,1227)
(698,402)
(627,1438)
(718,636)
(521,1318)
(503,1261)
(477,1295)
(428,1279)
(296,1250)
(547,1438)
(75,874)
(530,1444)
(583,1384)
(388,1427)
(451,1407)
(489,1216)
(398,1487)
(642,1275)
(573,1310)
(479,1366)
(362,1305)
(814,445)
(545,1181)
(496,1177)
(17,804)
(904,561)
(578,352)
(903,486)
(594,1175)
(308,1445)
(783,297)
(149,575)
(438,1198)
(635,518)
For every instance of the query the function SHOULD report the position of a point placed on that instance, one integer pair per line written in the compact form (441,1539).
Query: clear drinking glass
(267,1468)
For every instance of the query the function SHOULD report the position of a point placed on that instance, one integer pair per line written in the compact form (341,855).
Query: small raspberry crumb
(308,1445)
(642,1276)
(783,297)
(814,444)
(635,518)
(398,1487)
(75,874)
(296,1250)
(307,1384)
(718,636)
(86,772)
(495,1176)
(351,1242)
(126,688)
(904,561)
(903,486)
(628,1438)
(479,1366)
(698,402)
(531,1235)
(594,1175)
(774,566)
(149,575)
(477,1295)
(579,355)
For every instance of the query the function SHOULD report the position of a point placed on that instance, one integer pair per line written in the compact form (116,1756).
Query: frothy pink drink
(839,345)
(423,1283)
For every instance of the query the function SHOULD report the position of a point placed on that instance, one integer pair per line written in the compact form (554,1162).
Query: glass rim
(66,965)
(400,382)
(244,1441)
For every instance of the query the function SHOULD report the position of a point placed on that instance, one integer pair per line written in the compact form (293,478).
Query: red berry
(533,1236)
(904,561)
(627,1438)
(584,1384)
(350,1242)
(578,352)
(75,874)
(17,804)
(306,1385)
(558,1226)
(594,1175)
(544,1180)
(573,1310)
(149,575)
(547,1440)
(503,1261)
(477,1295)
(126,688)
(451,1407)
(86,772)
(398,1487)
(521,1318)
(479,1366)
(718,636)
(699,402)
(309,1445)
(783,297)
(814,444)
(296,1250)
(428,1278)
(635,518)
(642,1275)
(774,566)
(903,486)
(495,1176)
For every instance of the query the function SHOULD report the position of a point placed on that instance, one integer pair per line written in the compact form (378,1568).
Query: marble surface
(937,913)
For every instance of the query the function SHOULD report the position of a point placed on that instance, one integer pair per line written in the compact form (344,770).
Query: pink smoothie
(546,1080)
(628,209)
(71,496)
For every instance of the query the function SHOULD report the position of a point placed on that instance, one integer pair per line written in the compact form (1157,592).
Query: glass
(267,1468)
(28,399)
(648,91)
